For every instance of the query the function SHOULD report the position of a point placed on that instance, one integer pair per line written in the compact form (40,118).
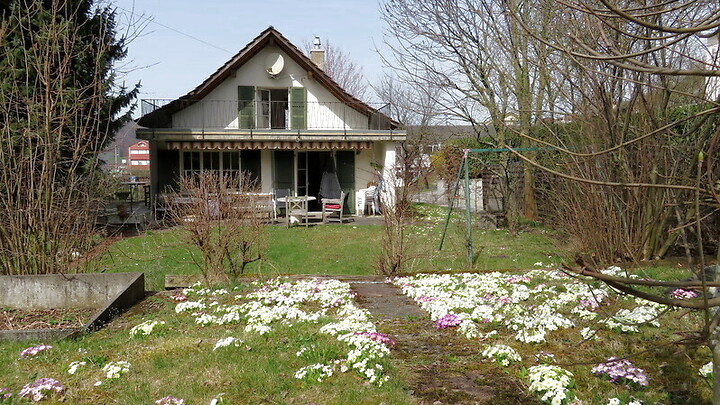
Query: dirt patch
(440,366)
(18,319)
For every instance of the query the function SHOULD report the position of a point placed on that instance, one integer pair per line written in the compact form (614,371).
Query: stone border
(123,290)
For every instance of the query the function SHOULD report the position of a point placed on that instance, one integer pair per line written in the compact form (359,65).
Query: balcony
(212,115)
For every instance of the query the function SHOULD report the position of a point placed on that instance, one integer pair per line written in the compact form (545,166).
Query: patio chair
(366,199)
(297,207)
(280,205)
(332,208)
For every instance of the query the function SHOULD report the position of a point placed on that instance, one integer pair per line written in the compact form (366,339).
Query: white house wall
(364,172)
(219,109)
(713,83)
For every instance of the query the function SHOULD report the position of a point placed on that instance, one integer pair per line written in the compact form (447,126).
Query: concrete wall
(63,291)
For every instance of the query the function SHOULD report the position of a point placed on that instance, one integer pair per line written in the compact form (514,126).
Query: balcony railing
(270,115)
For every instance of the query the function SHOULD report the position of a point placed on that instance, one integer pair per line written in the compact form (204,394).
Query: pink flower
(40,389)
(5,394)
(179,297)
(504,300)
(31,352)
(589,304)
(517,279)
(448,321)
(619,370)
(681,294)
(170,400)
(378,337)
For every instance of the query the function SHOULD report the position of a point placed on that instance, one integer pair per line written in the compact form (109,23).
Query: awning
(275,145)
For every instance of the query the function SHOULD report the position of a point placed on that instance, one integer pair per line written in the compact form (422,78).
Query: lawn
(297,342)
(538,315)
(347,249)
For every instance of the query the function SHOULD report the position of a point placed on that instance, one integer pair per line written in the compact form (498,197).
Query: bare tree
(410,105)
(481,61)
(221,217)
(640,150)
(401,183)
(340,66)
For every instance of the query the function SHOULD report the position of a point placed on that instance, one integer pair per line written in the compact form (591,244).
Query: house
(139,156)
(272,112)
(115,155)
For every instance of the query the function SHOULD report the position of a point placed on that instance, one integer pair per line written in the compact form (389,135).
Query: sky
(187,40)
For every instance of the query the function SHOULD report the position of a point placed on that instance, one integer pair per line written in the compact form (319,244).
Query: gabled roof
(268,37)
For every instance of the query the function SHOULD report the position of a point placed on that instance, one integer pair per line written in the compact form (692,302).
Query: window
(272,108)
(227,163)
(139,162)
(139,152)
(282,108)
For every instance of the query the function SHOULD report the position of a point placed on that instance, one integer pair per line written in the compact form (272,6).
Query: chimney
(317,54)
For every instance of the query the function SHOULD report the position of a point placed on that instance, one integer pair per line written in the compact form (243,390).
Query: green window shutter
(298,108)
(246,107)
(345,162)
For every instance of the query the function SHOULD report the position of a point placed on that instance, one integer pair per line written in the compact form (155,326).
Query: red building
(139,156)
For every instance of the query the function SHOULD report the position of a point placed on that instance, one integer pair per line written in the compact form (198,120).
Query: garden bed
(51,307)
(21,319)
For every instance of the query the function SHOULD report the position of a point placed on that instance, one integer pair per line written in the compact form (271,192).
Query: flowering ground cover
(567,340)
(275,342)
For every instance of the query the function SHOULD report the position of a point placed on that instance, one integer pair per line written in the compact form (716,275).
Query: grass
(344,250)
(672,368)
(179,360)
(261,371)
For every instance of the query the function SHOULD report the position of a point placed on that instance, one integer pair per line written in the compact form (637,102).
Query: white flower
(227,342)
(74,366)
(706,370)
(309,301)
(145,328)
(317,372)
(116,369)
(552,383)
(501,354)
(588,334)
(188,306)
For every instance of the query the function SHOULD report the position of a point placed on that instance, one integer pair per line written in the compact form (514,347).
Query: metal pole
(452,200)
(467,208)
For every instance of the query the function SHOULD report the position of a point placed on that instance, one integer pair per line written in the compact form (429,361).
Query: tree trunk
(529,202)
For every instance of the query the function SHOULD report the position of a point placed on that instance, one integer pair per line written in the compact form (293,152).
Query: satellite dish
(274,63)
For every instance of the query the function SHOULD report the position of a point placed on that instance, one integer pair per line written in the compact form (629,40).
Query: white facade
(219,109)
(712,91)
(281,141)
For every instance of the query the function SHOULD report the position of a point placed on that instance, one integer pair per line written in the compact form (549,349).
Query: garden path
(440,366)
